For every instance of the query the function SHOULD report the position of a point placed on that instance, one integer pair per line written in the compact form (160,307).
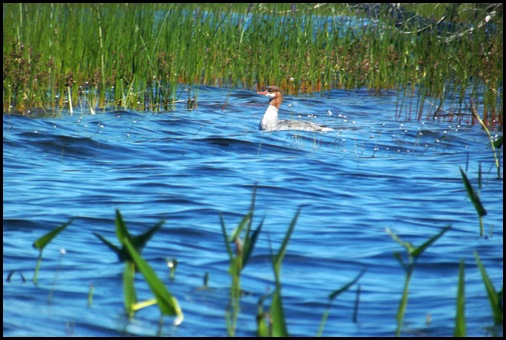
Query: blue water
(188,166)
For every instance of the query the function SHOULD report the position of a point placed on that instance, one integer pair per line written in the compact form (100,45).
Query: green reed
(43,241)
(135,55)
(333,295)
(460,318)
(475,198)
(130,254)
(494,297)
(272,323)
(243,250)
(409,266)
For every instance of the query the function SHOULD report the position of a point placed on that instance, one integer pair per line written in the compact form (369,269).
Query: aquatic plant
(90,294)
(243,250)
(43,241)
(129,253)
(493,144)
(333,295)
(272,323)
(277,313)
(475,199)
(495,298)
(460,319)
(167,303)
(438,57)
(409,266)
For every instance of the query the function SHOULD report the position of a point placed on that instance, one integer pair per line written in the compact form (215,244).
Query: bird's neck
(270,118)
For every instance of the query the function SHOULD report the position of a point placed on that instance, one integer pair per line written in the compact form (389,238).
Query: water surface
(188,166)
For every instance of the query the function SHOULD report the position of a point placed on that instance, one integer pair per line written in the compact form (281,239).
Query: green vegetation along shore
(448,58)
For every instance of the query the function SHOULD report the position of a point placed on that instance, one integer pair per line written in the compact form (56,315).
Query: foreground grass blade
(332,296)
(140,241)
(475,199)
(277,311)
(249,244)
(262,327)
(245,221)
(418,251)
(355,308)
(225,236)
(122,231)
(493,295)
(243,250)
(278,315)
(121,228)
(166,302)
(129,289)
(115,249)
(460,319)
(144,304)
(413,254)
(44,240)
(282,250)
(473,195)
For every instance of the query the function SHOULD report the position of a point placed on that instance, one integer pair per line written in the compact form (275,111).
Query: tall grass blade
(403,304)
(418,251)
(227,241)
(282,250)
(166,302)
(138,241)
(128,288)
(493,295)
(409,247)
(460,319)
(333,295)
(278,315)
(492,143)
(121,228)
(413,254)
(115,249)
(44,240)
(249,244)
(355,308)
(245,221)
(473,195)
(277,311)
(90,295)
(143,304)
(262,327)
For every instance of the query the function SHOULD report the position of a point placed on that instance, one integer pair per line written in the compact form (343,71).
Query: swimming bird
(270,120)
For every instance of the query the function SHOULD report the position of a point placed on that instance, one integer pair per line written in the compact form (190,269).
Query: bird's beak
(264,93)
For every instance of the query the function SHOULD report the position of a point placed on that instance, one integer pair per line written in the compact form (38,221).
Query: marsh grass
(460,318)
(495,297)
(409,266)
(43,241)
(243,250)
(475,199)
(333,295)
(273,322)
(277,322)
(438,57)
(130,254)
